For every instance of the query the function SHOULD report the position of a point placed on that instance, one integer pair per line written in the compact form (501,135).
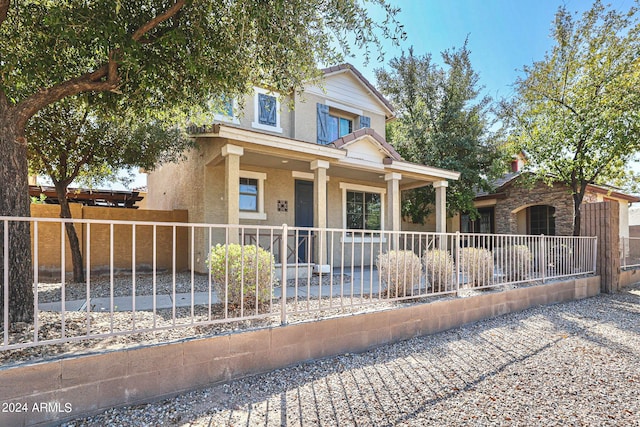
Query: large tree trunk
(74,243)
(14,201)
(577,217)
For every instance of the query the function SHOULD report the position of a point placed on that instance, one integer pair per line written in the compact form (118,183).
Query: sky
(503,36)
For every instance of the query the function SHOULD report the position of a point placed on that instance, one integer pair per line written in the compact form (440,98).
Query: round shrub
(477,265)
(515,262)
(399,271)
(439,266)
(242,277)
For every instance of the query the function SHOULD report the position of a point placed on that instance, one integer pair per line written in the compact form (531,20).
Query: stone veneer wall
(519,197)
(92,383)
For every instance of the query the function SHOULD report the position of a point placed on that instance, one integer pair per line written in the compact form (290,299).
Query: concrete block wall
(49,241)
(91,383)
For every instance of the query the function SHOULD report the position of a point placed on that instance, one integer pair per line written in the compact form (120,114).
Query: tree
(74,140)
(576,113)
(157,55)
(442,122)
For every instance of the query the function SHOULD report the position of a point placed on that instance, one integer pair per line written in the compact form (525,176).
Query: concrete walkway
(364,282)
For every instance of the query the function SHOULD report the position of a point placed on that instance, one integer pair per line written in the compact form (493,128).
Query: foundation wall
(89,384)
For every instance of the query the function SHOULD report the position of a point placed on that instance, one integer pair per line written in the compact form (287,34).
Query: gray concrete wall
(92,383)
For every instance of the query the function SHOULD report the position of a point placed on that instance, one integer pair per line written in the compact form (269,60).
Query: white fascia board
(402,166)
(277,142)
(361,164)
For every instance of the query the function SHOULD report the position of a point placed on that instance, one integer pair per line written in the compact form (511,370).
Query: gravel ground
(568,364)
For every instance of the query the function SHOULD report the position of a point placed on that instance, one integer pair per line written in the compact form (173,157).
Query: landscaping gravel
(575,363)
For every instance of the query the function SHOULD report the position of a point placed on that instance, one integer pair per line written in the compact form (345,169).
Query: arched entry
(541,219)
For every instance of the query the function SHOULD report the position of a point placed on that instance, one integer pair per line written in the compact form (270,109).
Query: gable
(345,88)
(365,149)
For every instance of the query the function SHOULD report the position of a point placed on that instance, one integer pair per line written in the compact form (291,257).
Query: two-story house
(324,163)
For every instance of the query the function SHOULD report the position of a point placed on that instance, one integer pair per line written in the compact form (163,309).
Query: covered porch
(354,183)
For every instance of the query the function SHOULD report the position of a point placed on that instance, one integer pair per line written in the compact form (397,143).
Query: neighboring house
(323,163)
(517,208)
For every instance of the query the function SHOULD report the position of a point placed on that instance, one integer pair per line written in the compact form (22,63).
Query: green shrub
(439,266)
(515,262)
(399,271)
(477,265)
(242,277)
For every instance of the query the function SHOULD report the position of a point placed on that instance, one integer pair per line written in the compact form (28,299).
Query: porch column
(232,154)
(441,205)
(319,168)
(393,218)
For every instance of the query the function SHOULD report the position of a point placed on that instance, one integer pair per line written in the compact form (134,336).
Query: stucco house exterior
(323,163)
(514,207)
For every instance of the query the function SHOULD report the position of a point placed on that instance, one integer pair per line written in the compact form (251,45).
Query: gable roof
(346,67)
(502,183)
(360,133)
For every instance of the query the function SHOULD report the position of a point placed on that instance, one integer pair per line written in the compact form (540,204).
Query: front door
(304,218)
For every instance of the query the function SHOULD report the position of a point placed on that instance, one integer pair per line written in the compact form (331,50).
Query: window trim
(228,119)
(345,186)
(260,177)
(256,110)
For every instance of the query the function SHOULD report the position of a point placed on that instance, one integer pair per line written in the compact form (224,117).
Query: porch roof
(268,150)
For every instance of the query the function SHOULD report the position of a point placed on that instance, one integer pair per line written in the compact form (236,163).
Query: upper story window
(335,121)
(223,109)
(266,111)
(338,127)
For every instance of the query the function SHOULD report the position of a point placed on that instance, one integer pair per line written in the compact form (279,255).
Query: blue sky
(504,35)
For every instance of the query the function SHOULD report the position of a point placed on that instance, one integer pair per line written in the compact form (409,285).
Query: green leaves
(576,111)
(207,47)
(443,122)
(79,138)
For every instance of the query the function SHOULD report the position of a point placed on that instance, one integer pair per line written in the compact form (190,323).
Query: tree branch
(89,82)
(158,20)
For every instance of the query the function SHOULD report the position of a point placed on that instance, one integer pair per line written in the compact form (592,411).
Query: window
(267,111)
(223,109)
(541,220)
(251,201)
(248,194)
(363,210)
(482,224)
(336,120)
(338,127)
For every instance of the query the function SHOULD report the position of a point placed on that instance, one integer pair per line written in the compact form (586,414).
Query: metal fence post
(457,263)
(595,254)
(543,258)
(283,275)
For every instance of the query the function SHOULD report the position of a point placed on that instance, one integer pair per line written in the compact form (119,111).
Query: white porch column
(232,154)
(393,218)
(319,168)
(441,205)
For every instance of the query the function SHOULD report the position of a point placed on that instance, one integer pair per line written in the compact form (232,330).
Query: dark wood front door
(304,218)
